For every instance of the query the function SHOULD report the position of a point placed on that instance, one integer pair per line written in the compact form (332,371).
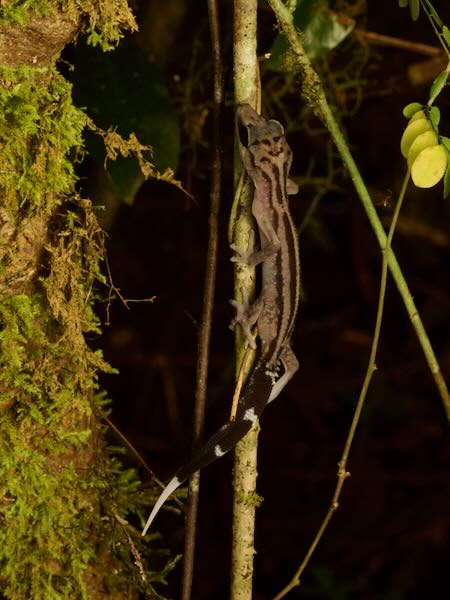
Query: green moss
(17,11)
(38,127)
(17,315)
(103,21)
(41,513)
(64,501)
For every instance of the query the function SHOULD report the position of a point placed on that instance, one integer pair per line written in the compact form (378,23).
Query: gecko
(267,160)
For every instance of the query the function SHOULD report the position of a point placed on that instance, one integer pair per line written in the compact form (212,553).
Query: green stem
(343,474)
(436,24)
(315,96)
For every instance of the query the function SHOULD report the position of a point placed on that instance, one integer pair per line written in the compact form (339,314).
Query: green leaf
(123,90)
(433,15)
(446,34)
(411,109)
(446,192)
(445,141)
(325,33)
(434,115)
(322,31)
(126,177)
(438,84)
(414,9)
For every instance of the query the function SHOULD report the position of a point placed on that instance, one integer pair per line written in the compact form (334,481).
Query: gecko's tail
(250,407)
(167,491)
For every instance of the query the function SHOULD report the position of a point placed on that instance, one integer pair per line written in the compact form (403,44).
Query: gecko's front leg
(252,257)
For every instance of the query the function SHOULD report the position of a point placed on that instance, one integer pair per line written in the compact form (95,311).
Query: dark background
(390,537)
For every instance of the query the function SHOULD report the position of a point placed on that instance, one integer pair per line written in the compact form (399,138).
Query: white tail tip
(167,491)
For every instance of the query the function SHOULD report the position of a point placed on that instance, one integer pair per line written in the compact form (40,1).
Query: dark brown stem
(378,39)
(208,299)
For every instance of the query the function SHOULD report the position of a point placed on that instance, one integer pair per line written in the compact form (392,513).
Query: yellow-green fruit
(418,115)
(422,141)
(429,166)
(411,132)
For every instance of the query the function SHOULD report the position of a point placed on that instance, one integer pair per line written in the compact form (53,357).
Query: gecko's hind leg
(246,315)
(290,365)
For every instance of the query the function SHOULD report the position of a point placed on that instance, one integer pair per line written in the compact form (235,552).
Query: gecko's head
(263,145)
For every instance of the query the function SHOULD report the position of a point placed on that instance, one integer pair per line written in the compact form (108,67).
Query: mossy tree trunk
(62,499)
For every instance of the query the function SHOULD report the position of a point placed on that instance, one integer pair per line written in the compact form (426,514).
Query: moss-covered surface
(36,109)
(64,501)
(102,21)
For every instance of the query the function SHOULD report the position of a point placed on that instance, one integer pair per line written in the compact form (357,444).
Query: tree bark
(63,500)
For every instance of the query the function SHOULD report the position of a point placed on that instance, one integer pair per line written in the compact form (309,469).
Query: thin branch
(436,24)
(100,413)
(315,96)
(208,298)
(378,39)
(371,368)
(247,90)
(114,289)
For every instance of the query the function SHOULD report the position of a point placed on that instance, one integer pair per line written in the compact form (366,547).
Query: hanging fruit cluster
(421,145)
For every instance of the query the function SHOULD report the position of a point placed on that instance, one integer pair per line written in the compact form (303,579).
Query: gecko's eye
(248,134)
(244,135)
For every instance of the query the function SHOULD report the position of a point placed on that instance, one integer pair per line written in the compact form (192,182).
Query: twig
(100,413)
(371,368)
(123,438)
(246,90)
(379,39)
(114,288)
(208,298)
(315,96)
(134,551)
(244,369)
